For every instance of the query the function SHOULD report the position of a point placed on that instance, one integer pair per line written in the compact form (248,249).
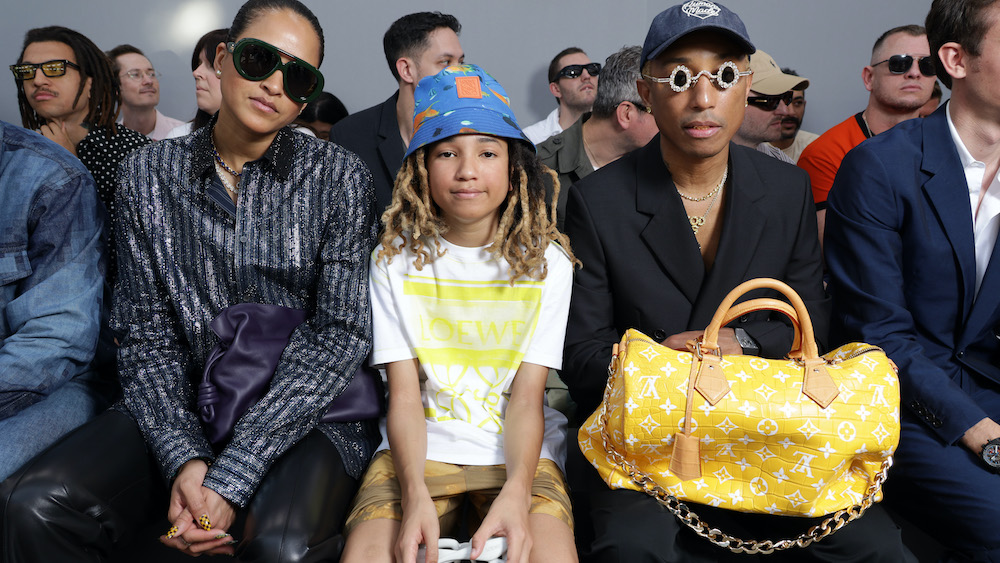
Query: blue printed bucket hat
(461,99)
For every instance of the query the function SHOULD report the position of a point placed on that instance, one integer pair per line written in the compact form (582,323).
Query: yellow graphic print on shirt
(471,338)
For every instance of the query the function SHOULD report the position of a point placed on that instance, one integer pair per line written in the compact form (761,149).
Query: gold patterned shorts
(379,494)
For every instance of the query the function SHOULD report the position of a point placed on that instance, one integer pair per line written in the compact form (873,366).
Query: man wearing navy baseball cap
(690,216)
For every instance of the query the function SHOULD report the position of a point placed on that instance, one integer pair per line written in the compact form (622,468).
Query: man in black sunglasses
(416,45)
(573,83)
(768,105)
(900,78)
(912,249)
(619,123)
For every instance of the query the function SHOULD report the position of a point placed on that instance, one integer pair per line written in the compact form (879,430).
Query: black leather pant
(87,496)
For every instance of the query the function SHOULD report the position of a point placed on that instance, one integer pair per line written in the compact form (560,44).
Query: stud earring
(218,73)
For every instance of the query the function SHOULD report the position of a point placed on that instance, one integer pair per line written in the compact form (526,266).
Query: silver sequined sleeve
(300,237)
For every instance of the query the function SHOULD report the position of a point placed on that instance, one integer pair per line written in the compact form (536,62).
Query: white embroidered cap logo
(703,9)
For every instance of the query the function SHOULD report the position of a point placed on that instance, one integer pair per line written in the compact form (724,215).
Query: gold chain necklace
(698,222)
(709,194)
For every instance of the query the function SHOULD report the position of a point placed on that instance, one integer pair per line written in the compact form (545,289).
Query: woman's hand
(200,518)
(508,517)
(420,526)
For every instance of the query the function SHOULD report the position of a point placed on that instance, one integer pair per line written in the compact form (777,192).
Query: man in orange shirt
(900,78)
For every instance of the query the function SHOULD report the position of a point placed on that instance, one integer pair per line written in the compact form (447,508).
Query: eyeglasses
(638,105)
(681,78)
(576,71)
(899,64)
(136,74)
(770,103)
(52,69)
(256,60)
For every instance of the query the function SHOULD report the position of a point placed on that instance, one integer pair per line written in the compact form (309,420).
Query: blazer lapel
(948,195)
(668,233)
(984,309)
(390,146)
(742,227)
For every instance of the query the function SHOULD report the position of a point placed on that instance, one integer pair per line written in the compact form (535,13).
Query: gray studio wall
(827,41)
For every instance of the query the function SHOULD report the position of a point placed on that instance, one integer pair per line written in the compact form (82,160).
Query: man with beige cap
(768,104)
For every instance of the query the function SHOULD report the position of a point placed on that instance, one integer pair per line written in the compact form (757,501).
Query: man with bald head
(900,78)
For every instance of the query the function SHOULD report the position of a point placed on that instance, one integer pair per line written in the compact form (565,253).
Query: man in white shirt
(140,87)
(573,82)
(912,224)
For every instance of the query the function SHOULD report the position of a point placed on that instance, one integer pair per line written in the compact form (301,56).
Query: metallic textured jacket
(300,237)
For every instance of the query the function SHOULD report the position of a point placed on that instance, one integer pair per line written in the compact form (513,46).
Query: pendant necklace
(698,222)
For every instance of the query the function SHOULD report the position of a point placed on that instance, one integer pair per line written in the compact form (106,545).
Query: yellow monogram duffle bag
(803,436)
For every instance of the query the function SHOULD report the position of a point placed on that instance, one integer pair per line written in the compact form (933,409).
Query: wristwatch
(749,345)
(991,454)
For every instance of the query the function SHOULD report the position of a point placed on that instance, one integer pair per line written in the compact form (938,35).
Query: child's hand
(508,517)
(420,526)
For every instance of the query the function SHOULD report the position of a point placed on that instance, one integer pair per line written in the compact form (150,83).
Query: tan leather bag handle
(806,342)
(769,304)
(710,381)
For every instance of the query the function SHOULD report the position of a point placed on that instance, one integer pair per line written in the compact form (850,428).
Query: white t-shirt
(470,329)
(538,132)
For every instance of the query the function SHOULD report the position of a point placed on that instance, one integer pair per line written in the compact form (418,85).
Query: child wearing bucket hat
(470,291)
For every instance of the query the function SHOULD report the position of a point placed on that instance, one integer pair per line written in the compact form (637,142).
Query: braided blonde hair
(526,224)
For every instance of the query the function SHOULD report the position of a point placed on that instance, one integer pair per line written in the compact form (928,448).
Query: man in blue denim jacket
(51,286)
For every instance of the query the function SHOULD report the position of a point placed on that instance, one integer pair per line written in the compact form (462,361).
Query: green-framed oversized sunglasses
(256,60)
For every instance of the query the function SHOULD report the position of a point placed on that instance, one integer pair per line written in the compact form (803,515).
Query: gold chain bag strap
(806,436)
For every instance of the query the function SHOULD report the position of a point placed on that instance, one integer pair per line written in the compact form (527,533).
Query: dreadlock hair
(527,222)
(105,95)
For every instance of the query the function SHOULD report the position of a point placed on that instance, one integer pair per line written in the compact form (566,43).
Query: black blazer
(373,134)
(642,267)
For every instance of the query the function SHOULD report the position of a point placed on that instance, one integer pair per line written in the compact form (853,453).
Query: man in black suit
(664,233)
(416,45)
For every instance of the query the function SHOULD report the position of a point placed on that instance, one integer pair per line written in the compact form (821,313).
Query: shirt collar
(963,153)
(277,156)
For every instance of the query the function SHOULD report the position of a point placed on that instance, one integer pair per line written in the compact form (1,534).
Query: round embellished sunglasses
(681,78)
(256,60)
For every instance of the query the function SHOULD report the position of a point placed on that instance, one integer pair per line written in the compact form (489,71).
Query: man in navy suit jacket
(911,237)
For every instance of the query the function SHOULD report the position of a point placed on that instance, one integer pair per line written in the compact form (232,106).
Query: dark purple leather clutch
(238,371)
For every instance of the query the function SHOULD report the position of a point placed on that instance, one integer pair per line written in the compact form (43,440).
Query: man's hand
(508,517)
(200,517)
(977,436)
(727,341)
(65,135)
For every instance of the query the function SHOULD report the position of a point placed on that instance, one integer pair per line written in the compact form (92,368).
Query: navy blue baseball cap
(695,15)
